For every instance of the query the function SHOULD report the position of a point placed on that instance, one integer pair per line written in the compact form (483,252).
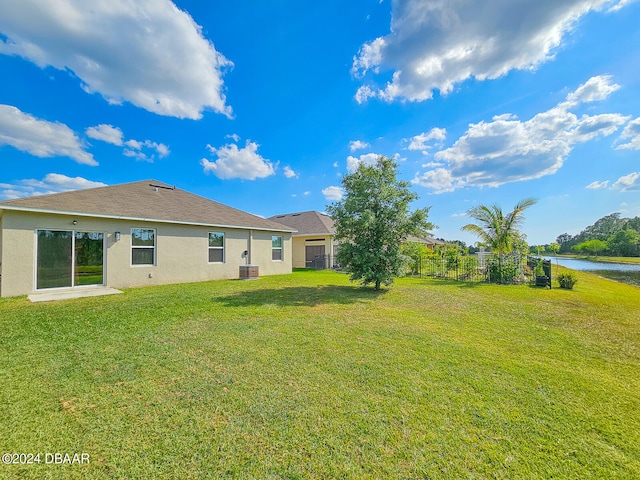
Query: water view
(620,272)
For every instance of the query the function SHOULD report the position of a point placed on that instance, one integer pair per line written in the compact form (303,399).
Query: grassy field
(309,376)
(602,258)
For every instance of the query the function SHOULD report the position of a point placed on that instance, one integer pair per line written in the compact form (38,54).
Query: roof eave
(142,219)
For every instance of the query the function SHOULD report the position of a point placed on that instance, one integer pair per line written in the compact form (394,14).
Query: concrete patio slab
(74,293)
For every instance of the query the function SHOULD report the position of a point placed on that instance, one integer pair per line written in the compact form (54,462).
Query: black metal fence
(508,269)
(460,268)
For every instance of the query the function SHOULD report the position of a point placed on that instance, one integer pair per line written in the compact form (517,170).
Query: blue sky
(266,105)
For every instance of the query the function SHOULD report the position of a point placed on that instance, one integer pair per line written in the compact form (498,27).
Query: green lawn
(603,258)
(309,376)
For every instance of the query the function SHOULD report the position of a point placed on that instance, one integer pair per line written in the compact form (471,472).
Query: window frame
(145,247)
(215,247)
(275,249)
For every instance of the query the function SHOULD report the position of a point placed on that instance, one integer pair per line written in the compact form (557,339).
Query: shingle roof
(307,223)
(428,240)
(145,200)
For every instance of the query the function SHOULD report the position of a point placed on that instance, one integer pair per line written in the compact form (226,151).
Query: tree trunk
(377,285)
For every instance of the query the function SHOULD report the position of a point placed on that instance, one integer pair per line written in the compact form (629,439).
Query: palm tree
(495,229)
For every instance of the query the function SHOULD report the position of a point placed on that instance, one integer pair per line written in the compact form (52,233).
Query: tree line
(610,235)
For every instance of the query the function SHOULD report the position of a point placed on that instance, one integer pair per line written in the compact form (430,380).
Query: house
(134,234)
(428,241)
(312,244)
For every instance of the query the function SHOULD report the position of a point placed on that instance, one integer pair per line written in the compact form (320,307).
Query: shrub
(538,271)
(567,280)
(507,270)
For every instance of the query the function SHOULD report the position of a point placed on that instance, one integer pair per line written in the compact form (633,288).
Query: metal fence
(459,268)
(511,269)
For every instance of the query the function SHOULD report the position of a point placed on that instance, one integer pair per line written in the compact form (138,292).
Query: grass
(309,376)
(603,258)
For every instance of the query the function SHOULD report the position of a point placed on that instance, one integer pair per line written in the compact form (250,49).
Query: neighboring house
(427,241)
(134,234)
(313,244)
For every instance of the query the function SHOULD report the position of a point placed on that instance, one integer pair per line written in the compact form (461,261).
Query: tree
(624,243)
(591,247)
(603,228)
(566,242)
(497,230)
(373,220)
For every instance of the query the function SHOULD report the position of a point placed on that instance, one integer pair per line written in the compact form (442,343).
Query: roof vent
(166,187)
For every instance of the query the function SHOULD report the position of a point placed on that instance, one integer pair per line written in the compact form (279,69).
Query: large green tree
(590,247)
(624,242)
(372,221)
(496,229)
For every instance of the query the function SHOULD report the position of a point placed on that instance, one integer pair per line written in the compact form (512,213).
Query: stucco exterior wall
(300,243)
(181,251)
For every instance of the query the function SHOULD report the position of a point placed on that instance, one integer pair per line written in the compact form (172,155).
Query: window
(216,247)
(143,246)
(276,248)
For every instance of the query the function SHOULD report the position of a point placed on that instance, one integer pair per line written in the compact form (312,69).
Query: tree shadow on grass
(441,282)
(301,296)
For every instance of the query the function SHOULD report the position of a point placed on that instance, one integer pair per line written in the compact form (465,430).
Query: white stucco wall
(181,251)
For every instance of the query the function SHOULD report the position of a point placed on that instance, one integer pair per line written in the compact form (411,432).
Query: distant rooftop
(307,223)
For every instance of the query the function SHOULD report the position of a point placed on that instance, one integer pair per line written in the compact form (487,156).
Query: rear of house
(136,234)
(313,244)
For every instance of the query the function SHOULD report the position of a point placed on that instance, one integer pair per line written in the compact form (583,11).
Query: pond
(620,272)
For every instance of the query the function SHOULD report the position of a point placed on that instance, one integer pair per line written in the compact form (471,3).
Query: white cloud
(106,133)
(140,150)
(333,193)
(369,57)
(367,158)
(631,132)
(618,5)
(135,148)
(432,165)
(357,145)
(507,149)
(439,180)
(436,44)
(289,173)
(233,136)
(598,185)
(51,183)
(419,142)
(148,52)
(628,183)
(40,138)
(364,93)
(595,89)
(233,162)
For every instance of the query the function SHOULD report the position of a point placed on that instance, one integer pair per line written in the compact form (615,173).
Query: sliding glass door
(89,257)
(55,259)
(69,259)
